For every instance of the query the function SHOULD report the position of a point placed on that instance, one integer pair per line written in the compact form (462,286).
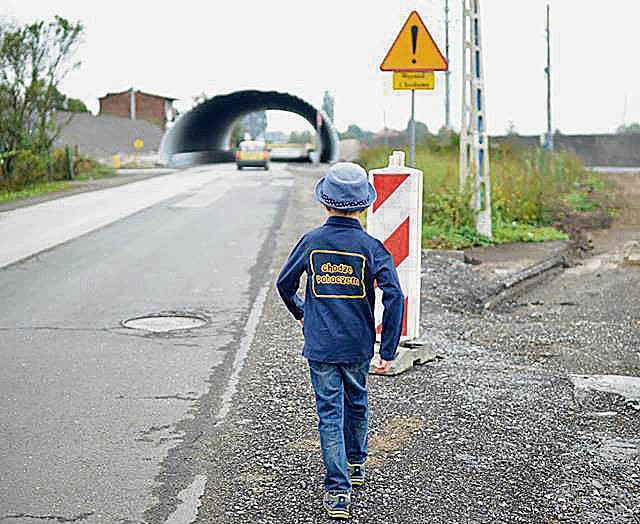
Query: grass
(586,195)
(530,191)
(34,174)
(41,188)
(87,170)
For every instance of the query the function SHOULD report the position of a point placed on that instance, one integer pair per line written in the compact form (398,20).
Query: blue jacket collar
(343,222)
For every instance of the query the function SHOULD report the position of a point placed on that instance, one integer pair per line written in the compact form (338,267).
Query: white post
(474,141)
(132,104)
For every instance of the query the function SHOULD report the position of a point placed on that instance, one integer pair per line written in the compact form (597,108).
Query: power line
(549,141)
(447,99)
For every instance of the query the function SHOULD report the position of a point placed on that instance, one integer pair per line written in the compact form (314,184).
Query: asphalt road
(97,421)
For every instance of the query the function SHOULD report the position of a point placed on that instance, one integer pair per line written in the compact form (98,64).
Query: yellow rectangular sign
(414,80)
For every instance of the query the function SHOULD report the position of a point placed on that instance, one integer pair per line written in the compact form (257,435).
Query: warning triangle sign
(414,49)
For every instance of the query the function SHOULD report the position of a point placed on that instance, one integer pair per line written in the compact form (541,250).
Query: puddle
(187,510)
(624,386)
(597,263)
(603,414)
(620,448)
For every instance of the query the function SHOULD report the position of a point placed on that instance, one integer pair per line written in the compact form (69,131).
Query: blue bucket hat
(345,187)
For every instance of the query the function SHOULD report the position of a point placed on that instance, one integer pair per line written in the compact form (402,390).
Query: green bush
(29,168)
(85,168)
(58,160)
(529,189)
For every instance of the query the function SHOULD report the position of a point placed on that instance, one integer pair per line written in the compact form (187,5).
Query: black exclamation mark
(414,40)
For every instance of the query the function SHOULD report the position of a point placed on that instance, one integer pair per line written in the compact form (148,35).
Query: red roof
(170,99)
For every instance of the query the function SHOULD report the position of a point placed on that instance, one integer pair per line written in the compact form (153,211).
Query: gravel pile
(492,432)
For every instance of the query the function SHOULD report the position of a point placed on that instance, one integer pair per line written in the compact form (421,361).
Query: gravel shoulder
(493,431)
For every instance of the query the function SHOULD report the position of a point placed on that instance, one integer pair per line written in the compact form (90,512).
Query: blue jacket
(342,262)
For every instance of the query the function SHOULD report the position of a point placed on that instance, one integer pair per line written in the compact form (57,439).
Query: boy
(342,263)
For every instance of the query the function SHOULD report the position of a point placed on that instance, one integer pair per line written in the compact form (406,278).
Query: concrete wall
(594,150)
(104,135)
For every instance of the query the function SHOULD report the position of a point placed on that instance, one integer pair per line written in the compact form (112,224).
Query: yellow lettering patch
(339,280)
(337,274)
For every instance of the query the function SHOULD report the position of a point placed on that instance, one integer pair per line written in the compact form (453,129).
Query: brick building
(134,105)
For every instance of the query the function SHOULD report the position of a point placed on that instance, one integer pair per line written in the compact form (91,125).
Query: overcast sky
(181,49)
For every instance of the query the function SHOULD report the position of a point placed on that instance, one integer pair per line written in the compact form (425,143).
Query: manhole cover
(164,323)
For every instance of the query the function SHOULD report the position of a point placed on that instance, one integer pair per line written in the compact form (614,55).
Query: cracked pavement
(91,411)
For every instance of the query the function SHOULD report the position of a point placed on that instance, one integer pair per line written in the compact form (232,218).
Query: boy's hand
(383,366)
(301,322)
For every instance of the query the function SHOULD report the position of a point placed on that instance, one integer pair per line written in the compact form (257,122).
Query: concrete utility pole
(549,143)
(132,104)
(447,99)
(474,145)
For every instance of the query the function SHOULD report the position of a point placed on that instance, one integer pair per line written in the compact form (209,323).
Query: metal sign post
(412,130)
(413,57)
(138,144)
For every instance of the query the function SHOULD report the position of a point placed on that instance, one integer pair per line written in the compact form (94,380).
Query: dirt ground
(626,226)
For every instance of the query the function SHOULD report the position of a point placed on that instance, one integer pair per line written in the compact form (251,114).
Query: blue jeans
(343,413)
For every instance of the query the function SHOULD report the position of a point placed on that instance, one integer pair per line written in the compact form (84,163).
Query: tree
(34,59)
(75,105)
(327,105)
(62,102)
(422,131)
(630,129)
(300,138)
(198,99)
(354,131)
(236,135)
(255,124)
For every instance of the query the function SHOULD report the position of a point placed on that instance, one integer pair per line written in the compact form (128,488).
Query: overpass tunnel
(203,134)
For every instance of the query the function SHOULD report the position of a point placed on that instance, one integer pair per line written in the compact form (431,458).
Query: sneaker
(356,474)
(337,504)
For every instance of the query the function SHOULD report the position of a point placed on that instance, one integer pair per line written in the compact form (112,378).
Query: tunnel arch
(202,134)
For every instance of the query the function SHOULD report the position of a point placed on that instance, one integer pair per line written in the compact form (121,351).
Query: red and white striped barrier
(396,219)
